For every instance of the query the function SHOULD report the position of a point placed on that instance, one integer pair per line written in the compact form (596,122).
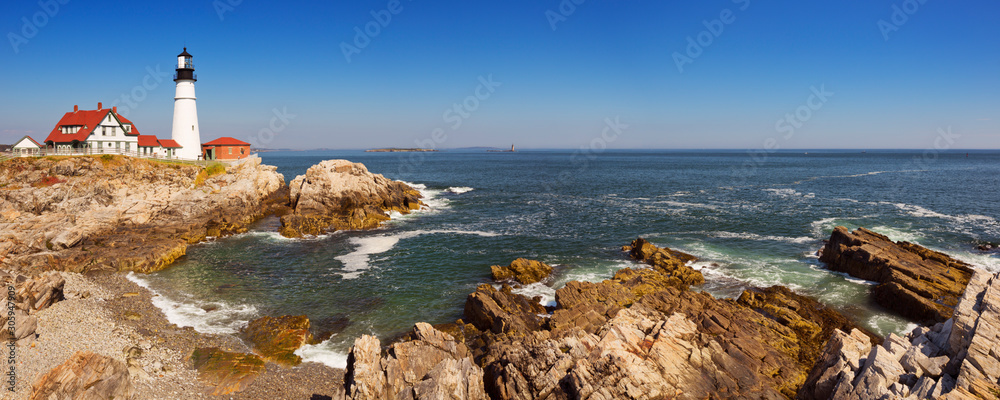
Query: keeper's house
(93,131)
(225,148)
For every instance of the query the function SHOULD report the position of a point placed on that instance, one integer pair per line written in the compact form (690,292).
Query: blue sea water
(752,221)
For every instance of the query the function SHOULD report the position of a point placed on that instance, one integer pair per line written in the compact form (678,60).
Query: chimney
(99,106)
(114,109)
(76,108)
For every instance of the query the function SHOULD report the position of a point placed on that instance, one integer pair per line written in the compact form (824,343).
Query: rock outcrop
(228,372)
(951,360)
(642,334)
(522,270)
(123,214)
(672,263)
(30,296)
(85,376)
(431,366)
(277,338)
(341,195)
(915,282)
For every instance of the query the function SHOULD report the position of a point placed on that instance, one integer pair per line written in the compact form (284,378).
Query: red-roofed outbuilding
(225,148)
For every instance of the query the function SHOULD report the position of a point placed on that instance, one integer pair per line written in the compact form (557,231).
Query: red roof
(88,119)
(226,141)
(148,141)
(169,143)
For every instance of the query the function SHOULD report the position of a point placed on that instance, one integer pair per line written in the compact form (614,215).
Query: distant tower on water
(185,131)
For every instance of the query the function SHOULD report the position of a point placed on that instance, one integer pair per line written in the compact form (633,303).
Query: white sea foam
(358,261)
(819,226)
(986,261)
(896,234)
(459,189)
(322,353)
(223,317)
(754,236)
(431,197)
(790,193)
(688,205)
(547,293)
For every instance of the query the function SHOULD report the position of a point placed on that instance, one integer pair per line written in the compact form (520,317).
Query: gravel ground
(108,314)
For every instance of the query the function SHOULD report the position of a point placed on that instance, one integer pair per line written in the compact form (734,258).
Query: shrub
(48,181)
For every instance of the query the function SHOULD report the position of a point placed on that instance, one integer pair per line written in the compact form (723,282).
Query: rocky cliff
(640,335)
(918,283)
(120,213)
(955,359)
(339,194)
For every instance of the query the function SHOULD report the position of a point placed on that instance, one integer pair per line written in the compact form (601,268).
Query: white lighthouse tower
(185,131)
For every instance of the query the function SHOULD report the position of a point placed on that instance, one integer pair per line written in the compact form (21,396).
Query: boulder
(430,366)
(277,338)
(915,282)
(522,270)
(85,375)
(227,372)
(673,263)
(341,195)
(502,311)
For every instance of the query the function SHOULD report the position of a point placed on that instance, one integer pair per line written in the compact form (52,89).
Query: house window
(104,131)
(241,149)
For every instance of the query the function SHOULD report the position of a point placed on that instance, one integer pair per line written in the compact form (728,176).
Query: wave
(896,234)
(357,261)
(546,292)
(212,317)
(754,236)
(323,353)
(790,193)
(459,189)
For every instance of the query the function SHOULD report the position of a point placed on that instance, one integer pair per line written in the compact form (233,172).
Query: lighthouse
(185,131)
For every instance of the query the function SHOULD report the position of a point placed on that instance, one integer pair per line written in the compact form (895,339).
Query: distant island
(395,150)
(502,151)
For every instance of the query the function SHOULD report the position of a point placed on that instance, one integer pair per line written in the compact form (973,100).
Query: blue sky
(753,83)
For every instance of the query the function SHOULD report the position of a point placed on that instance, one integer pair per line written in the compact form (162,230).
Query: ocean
(753,219)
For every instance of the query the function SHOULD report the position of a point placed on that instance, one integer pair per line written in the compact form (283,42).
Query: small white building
(150,146)
(27,147)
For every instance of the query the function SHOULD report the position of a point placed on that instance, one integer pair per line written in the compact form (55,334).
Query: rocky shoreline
(645,333)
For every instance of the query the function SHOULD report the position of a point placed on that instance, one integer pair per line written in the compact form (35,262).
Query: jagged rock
(502,311)
(85,375)
(277,338)
(932,357)
(341,195)
(124,214)
(918,283)
(431,366)
(522,270)
(228,372)
(838,363)
(671,262)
